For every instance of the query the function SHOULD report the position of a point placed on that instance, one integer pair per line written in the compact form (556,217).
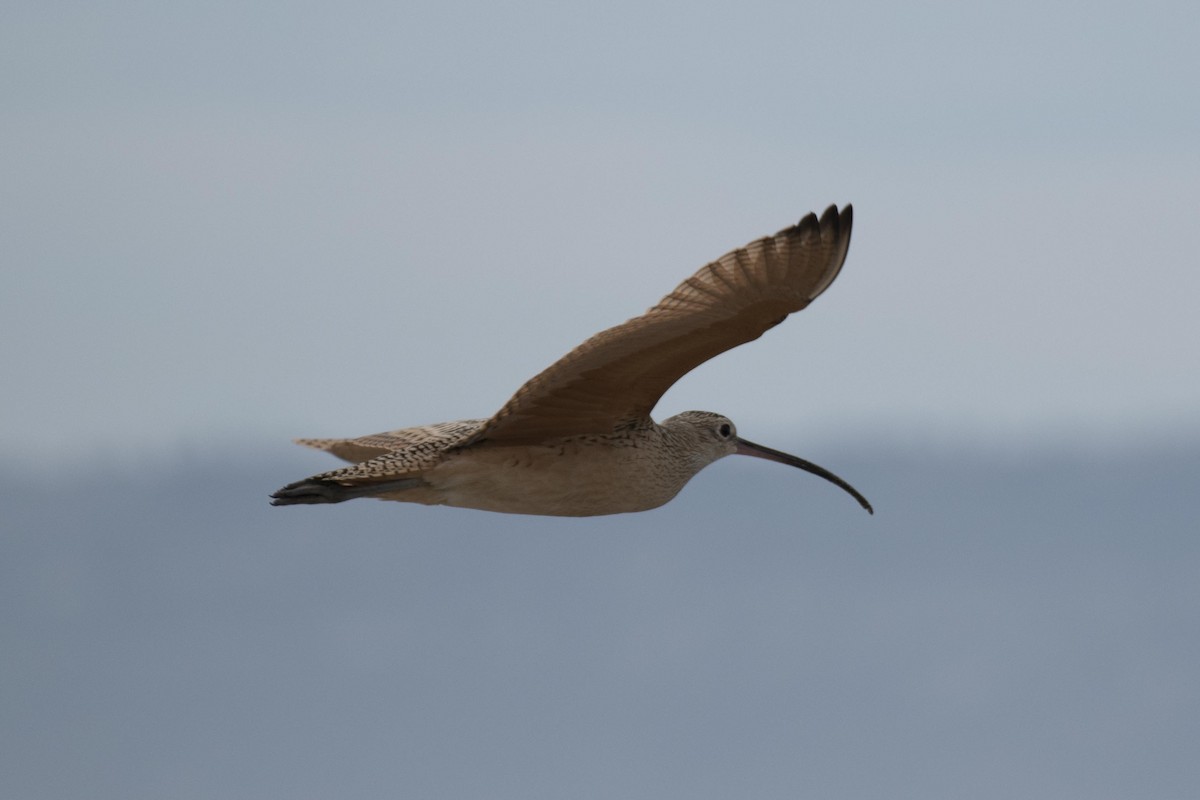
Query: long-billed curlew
(577,440)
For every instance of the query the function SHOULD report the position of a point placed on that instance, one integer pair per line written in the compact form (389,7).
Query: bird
(577,439)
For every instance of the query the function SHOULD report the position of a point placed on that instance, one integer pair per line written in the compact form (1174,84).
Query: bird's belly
(567,481)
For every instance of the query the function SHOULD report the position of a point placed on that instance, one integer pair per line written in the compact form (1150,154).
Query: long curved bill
(745,448)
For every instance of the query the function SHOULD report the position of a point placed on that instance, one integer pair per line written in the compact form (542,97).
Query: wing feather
(425,439)
(616,377)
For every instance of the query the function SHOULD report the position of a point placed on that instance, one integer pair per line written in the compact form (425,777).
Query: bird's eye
(725,430)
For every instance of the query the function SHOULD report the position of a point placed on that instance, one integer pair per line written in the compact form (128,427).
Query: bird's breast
(576,478)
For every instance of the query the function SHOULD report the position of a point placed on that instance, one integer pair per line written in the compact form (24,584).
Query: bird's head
(705,437)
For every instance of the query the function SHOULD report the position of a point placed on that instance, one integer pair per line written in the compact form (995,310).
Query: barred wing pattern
(398,452)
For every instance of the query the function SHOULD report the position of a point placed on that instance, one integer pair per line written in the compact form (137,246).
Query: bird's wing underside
(619,374)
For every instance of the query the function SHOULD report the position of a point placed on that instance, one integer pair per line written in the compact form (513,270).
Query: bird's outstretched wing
(617,376)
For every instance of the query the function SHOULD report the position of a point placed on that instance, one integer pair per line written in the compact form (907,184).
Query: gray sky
(222,220)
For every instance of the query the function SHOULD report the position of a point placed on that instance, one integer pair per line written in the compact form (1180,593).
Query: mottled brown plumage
(577,439)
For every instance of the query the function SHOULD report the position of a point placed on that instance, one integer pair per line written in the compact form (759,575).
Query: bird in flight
(577,439)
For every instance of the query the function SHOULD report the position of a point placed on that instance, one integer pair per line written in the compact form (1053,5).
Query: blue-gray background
(224,226)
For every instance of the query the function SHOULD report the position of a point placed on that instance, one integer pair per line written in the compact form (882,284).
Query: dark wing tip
(830,219)
(834,232)
(836,224)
